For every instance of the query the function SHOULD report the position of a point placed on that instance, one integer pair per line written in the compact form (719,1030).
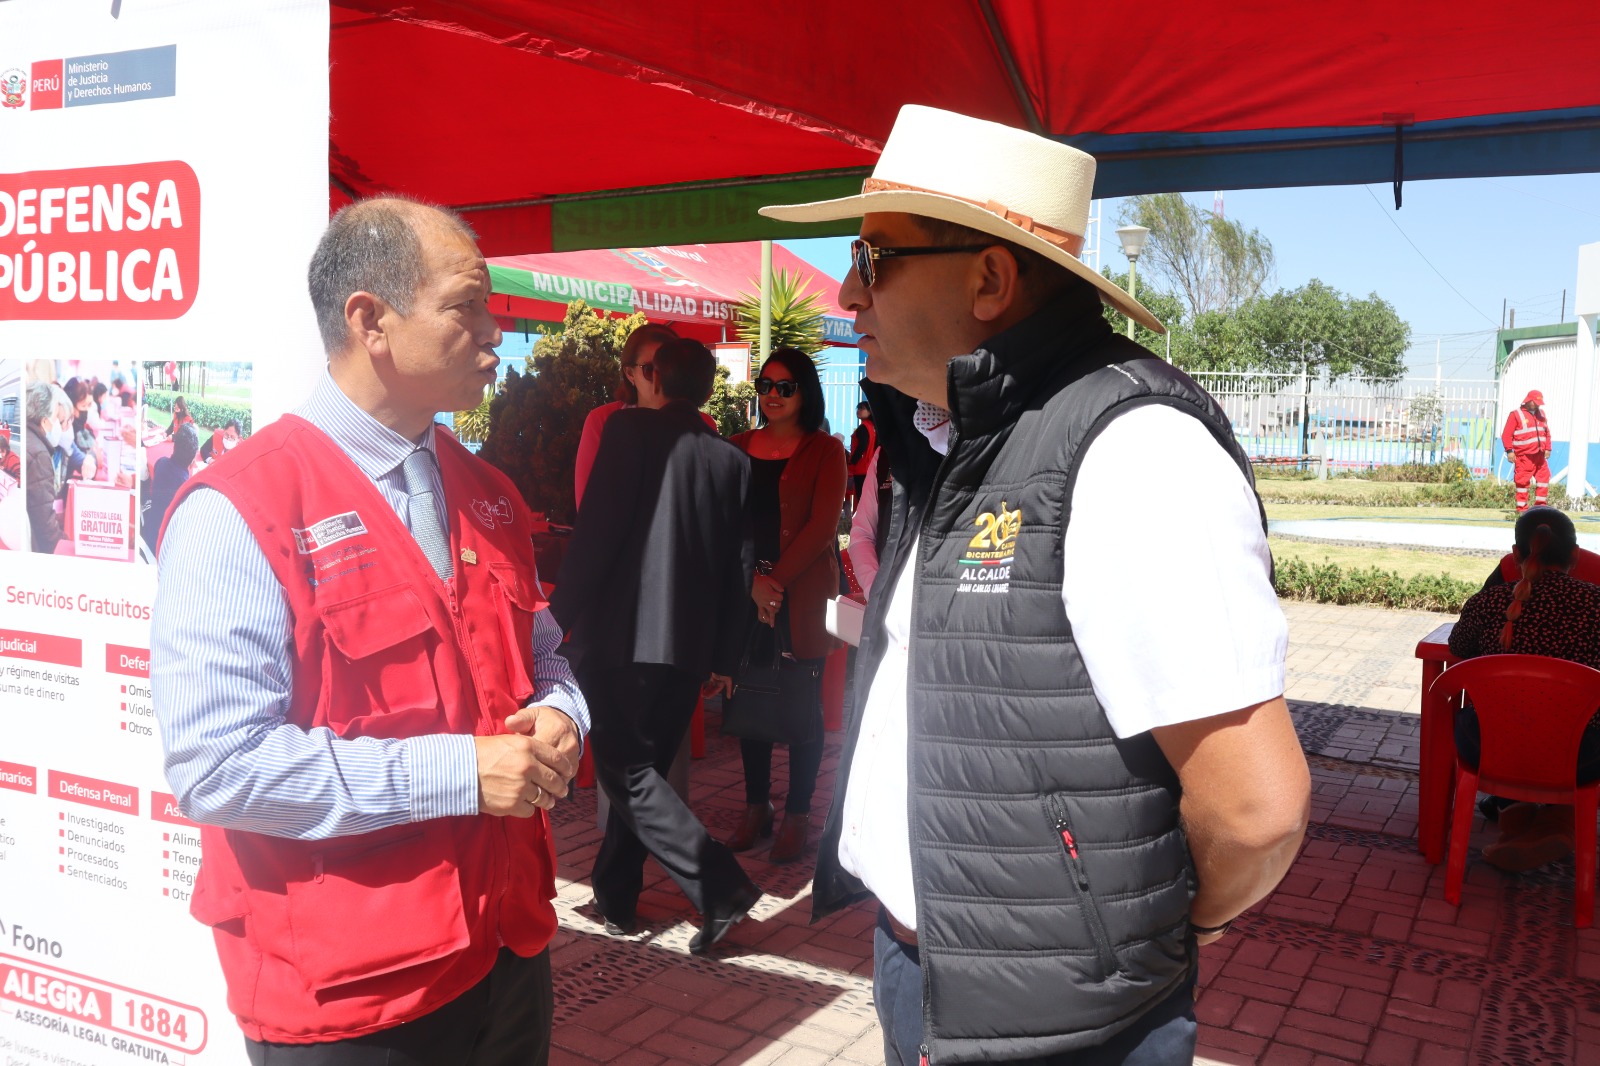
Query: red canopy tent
(692,286)
(563,126)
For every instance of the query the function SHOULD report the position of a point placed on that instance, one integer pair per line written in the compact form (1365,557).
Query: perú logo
(13,84)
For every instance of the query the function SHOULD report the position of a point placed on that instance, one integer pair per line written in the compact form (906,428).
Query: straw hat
(1016,185)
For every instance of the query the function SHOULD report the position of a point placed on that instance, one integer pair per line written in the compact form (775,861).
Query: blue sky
(1510,238)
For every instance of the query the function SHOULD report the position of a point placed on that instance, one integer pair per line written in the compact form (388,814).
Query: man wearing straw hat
(1073,763)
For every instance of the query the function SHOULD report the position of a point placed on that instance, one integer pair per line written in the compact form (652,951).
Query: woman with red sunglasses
(797,484)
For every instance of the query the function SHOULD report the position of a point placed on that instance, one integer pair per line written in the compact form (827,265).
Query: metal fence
(841,388)
(1355,424)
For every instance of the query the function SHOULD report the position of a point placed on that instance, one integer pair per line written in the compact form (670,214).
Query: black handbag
(777,699)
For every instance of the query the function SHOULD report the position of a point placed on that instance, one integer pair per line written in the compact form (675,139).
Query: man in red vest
(1527,443)
(359,689)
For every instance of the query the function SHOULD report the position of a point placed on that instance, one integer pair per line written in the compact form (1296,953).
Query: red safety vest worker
(1527,442)
(328,939)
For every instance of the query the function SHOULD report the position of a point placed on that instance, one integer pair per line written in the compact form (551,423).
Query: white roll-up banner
(163,181)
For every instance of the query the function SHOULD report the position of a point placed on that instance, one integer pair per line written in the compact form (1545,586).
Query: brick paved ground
(1355,958)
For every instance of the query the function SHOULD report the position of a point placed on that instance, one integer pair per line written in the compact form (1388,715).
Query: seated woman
(180,417)
(1547,612)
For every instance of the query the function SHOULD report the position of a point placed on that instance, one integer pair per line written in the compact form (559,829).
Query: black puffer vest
(1052,876)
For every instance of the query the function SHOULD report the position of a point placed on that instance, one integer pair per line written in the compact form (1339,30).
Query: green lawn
(219,391)
(1405,563)
(1453,516)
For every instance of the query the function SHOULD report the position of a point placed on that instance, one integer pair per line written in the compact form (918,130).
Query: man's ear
(364,316)
(997,286)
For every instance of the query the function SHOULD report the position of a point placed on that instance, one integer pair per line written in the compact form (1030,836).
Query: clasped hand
(529,768)
(768,597)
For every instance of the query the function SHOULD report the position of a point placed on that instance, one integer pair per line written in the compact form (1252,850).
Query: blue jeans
(1164,1036)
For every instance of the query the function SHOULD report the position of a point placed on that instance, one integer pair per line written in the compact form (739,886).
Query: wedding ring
(535,801)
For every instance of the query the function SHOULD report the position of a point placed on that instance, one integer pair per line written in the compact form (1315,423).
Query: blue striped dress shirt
(222,672)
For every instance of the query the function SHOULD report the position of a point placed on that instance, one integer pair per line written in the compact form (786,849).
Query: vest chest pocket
(378,673)
(516,601)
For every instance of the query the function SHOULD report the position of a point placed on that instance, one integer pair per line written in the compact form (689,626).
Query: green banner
(557,288)
(694,215)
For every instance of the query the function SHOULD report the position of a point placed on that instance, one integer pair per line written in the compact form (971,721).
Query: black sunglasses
(784,389)
(865,255)
(647,369)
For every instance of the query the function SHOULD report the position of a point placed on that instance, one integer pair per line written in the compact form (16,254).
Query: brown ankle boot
(791,839)
(757,822)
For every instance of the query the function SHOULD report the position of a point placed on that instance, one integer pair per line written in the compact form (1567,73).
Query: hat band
(1071,243)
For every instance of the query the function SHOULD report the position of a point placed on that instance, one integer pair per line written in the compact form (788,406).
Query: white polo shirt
(1170,598)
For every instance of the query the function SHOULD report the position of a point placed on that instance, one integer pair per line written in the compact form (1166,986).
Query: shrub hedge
(1468,493)
(1328,582)
(212,414)
(1416,473)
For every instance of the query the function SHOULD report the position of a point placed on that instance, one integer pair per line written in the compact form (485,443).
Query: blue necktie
(426,526)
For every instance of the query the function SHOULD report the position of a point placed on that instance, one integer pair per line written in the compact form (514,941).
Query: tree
(1216,264)
(1315,326)
(1321,328)
(730,404)
(1167,308)
(797,315)
(536,418)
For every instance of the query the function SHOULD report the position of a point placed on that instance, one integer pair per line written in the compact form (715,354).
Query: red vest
(1585,567)
(859,467)
(1526,434)
(327,939)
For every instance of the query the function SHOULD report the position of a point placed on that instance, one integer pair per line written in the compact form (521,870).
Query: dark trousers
(503,1020)
(1164,1036)
(1469,746)
(640,713)
(804,762)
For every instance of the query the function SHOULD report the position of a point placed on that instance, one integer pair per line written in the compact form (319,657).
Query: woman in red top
(1547,612)
(797,483)
(180,417)
(637,388)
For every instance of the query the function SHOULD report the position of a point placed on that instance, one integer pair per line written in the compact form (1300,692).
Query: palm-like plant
(797,315)
(473,426)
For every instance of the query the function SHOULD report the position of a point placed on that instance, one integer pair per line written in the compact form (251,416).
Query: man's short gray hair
(370,246)
(46,400)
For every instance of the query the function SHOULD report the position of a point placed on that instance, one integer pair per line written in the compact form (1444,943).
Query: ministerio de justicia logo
(13,85)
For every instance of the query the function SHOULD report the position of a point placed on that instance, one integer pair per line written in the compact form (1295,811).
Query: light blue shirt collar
(371,445)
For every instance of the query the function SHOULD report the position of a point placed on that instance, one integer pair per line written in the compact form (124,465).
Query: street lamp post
(1132,238)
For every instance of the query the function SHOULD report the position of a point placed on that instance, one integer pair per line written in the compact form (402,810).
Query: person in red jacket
(1527,442)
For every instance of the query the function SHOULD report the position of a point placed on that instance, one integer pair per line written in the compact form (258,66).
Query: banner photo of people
(139,227)
(194,414)
(13,502)
(81,462)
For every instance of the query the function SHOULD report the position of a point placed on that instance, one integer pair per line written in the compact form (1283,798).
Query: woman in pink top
(636,389)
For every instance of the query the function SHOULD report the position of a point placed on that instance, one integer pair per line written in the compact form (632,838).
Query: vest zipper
(1080,885)
(939,478)
(477,684)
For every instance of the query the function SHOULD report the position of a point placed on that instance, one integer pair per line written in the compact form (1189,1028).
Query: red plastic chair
(1532,711)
